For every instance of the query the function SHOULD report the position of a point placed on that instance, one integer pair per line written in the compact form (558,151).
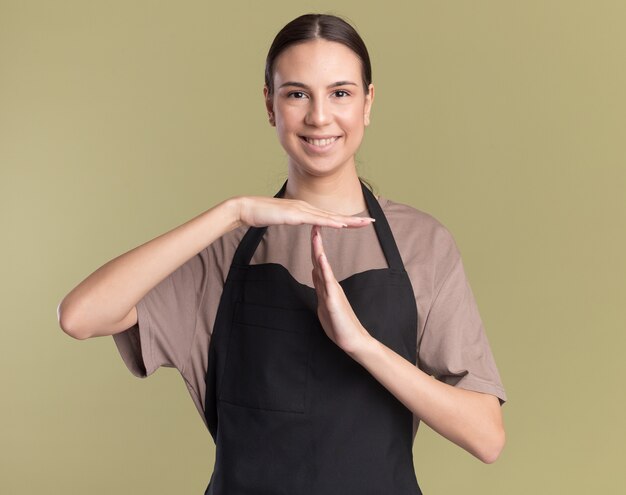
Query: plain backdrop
(505,120)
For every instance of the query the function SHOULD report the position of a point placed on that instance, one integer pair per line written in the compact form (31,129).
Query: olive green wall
(120,120)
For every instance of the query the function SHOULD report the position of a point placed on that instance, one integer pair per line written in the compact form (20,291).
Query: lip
(327,136)
(319,149)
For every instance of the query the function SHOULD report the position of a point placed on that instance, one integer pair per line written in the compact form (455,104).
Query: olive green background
(120,120)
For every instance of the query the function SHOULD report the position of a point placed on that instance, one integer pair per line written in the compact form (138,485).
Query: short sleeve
(454,346)
(166,321)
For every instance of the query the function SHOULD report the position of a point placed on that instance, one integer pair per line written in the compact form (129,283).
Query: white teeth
(321,142)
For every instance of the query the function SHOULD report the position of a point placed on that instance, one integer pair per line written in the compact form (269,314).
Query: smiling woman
(310,361)
(319,110)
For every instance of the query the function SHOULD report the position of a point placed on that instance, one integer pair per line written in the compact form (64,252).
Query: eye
(342,91)
(290,95)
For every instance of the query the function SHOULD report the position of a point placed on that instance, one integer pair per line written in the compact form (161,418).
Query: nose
(318,114)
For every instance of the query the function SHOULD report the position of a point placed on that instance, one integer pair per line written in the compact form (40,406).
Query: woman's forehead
(317,61)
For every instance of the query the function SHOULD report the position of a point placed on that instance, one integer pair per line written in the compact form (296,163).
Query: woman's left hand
(333,308)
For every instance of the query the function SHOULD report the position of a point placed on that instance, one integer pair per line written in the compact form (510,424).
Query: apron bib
(289,411)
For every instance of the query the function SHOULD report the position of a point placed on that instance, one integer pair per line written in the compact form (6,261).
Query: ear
(269,105)
(369,99)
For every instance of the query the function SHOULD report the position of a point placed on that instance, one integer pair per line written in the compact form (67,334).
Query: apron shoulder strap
(251,239)
(383,231)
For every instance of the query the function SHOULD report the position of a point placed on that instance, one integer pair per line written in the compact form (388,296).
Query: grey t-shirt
(175,318)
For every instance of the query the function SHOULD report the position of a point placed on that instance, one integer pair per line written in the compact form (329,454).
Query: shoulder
(417,232)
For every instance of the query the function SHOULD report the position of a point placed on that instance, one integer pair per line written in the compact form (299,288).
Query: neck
(340,193)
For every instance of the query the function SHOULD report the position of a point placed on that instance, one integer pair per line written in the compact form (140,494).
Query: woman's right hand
(104,303)
(261,211)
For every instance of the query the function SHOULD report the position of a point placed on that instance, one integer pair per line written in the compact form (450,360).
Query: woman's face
(319,95)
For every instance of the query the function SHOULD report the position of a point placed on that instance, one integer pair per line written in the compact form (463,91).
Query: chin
(316,169)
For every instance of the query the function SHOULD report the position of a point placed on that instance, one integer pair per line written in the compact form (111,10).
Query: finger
(318,245)
(360,222)
(325,269)
(328,218)
(335,221)
(348,220)
(318,283)
(318,249)
(313,251)
(340,221)
(327,277)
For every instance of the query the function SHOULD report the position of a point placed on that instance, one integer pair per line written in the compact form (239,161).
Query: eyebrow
(302,85)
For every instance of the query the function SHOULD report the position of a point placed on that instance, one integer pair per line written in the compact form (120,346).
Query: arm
(472,420)
(104,303)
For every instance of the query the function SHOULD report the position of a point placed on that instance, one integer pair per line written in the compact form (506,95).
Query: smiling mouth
(320,143)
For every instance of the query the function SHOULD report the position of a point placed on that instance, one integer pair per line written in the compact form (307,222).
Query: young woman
(308,326)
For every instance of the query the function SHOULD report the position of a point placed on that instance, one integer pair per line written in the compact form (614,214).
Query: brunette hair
(317,26)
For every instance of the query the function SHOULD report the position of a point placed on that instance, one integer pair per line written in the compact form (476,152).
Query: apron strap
(253,236)
(383,231)
(251,239)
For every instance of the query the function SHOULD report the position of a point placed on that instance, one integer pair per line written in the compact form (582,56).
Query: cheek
(290,115)
(353,120)
(285,128)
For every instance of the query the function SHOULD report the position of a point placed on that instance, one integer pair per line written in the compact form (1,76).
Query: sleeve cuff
(477,385)
(135,344)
